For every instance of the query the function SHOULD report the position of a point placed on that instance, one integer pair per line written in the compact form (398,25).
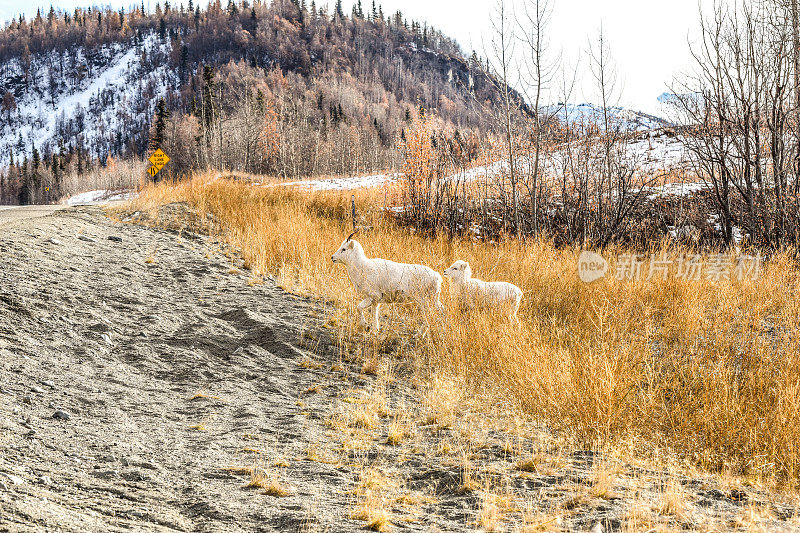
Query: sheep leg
(514,310)
(424,305)
(375,308)
(439,305)
(365,304)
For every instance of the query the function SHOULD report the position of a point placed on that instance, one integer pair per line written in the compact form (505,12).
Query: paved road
(11,214)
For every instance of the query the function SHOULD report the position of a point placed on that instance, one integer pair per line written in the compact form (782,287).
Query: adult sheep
(383,281)
(473,292)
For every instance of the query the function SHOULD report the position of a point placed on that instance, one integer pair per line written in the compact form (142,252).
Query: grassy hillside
(652,365)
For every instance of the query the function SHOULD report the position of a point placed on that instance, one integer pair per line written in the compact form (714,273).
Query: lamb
(384,281)
(488,294)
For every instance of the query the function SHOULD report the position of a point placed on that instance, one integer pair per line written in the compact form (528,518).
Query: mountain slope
(89,82)
(103,110)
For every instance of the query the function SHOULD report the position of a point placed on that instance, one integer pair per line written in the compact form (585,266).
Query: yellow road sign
(152,171)
(159,159)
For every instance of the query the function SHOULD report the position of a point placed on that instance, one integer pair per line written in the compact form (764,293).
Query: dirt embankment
(120,335)
(143,376)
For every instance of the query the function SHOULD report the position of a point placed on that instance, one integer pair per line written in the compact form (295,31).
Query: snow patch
(100,196)
(343,184)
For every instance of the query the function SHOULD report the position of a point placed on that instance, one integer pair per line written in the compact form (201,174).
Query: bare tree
(618,189)
(501,64)
(742,106)
(539,74)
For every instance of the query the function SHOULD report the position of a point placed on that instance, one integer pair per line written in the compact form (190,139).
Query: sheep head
(348,250)
(459,271)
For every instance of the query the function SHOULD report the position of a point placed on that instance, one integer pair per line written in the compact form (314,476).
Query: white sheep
(473,292)
(384,281)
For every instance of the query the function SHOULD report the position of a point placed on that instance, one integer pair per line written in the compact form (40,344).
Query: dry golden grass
(309,364)
(489,515)
(604,477)
(469,483)
(371,493)
(535,521)
(754,518)
(204,396)
(531,464)
(245,470)
(269,481)
(638,517)
(399,430)
(672,502)
(709,369)
(376,517)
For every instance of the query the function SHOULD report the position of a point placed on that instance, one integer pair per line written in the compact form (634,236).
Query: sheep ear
(350,244)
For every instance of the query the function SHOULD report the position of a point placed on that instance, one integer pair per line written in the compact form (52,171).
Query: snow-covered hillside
(99,101)
(651,155)
(583,115)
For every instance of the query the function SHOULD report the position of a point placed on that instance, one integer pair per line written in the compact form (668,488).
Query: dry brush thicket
(737,115)
(742,108)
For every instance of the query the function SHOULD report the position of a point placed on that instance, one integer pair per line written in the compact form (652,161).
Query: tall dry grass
(706,370)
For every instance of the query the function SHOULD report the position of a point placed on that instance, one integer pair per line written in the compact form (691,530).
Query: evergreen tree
(208,100)
(160,127)
(33,185)
(260,101)
(24,194)
(8,104)
(55,180)
(184,59)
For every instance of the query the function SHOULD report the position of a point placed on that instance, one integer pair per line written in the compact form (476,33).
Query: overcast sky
(648,40)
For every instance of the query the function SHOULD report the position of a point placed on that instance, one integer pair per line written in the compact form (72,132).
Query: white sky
(648,39)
